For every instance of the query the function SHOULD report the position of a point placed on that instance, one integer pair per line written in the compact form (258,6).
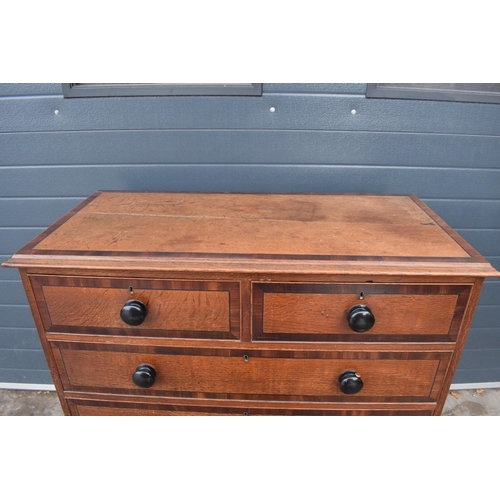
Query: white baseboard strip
(478,385)
(27,387)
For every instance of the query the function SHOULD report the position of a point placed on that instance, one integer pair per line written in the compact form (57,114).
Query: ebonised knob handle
(144,376)
(360,318)
(133,312)
(350,382)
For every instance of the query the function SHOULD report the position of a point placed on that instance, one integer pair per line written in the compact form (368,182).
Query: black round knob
(360,318)
(133,312)
(350,382)
(144,376)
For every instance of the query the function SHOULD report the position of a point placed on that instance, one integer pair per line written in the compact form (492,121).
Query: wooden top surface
(251,232)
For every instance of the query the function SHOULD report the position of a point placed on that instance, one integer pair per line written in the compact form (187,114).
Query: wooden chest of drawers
(251,304)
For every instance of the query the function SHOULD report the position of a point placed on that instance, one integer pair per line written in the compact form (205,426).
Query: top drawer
(321,312)
(176,309)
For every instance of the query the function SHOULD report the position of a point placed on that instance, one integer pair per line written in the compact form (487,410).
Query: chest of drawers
(251,304)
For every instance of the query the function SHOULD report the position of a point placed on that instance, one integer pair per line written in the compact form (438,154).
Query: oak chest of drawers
(251,304)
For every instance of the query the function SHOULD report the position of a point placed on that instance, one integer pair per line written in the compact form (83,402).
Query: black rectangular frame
(160,89)
(374,90)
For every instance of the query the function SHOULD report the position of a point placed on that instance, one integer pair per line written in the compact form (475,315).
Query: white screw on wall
(56,112)
(353,112)
(273,109)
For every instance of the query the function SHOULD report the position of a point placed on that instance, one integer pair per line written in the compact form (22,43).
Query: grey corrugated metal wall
(446,153)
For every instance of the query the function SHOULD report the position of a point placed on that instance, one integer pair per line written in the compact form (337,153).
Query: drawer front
(319,312)
(88,406)
(178,309)
(245,374)
(84,408)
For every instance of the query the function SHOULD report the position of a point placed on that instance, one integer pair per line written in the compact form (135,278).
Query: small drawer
(364,312)
(161,308)
(393,376)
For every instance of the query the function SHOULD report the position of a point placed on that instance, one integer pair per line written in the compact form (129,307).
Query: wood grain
(247,298)
(287,207)
(462,337)
(402,375)
(106,263)
(137,409)
(208,235)
(48,352)
(406,314)
(117,411)
(167,309)
(292,311)
(254,233)
(175,308)
(148,405)
(343,345)
(236,405)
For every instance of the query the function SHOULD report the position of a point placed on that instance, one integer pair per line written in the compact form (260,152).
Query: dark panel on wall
(444,152)
(253,146)
(20,89)
(16,316)
(476,376)
(486,241)
(7,274)
(12,292)
(25,376)
(30,89)
(83,90)
(488,359)
(292,112)
(486,317)
(12,239)
(319,88)
(32,359)
(80,181)
(19,338)
(491,293)
(482,338)
(38,212)
(495,262)
(477,214)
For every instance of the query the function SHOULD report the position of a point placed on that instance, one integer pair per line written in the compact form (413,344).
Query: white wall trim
(27,387)
(478,385)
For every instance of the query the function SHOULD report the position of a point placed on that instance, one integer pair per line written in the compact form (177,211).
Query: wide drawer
(179,309)
(251,374)
(105,405)
(319,312)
